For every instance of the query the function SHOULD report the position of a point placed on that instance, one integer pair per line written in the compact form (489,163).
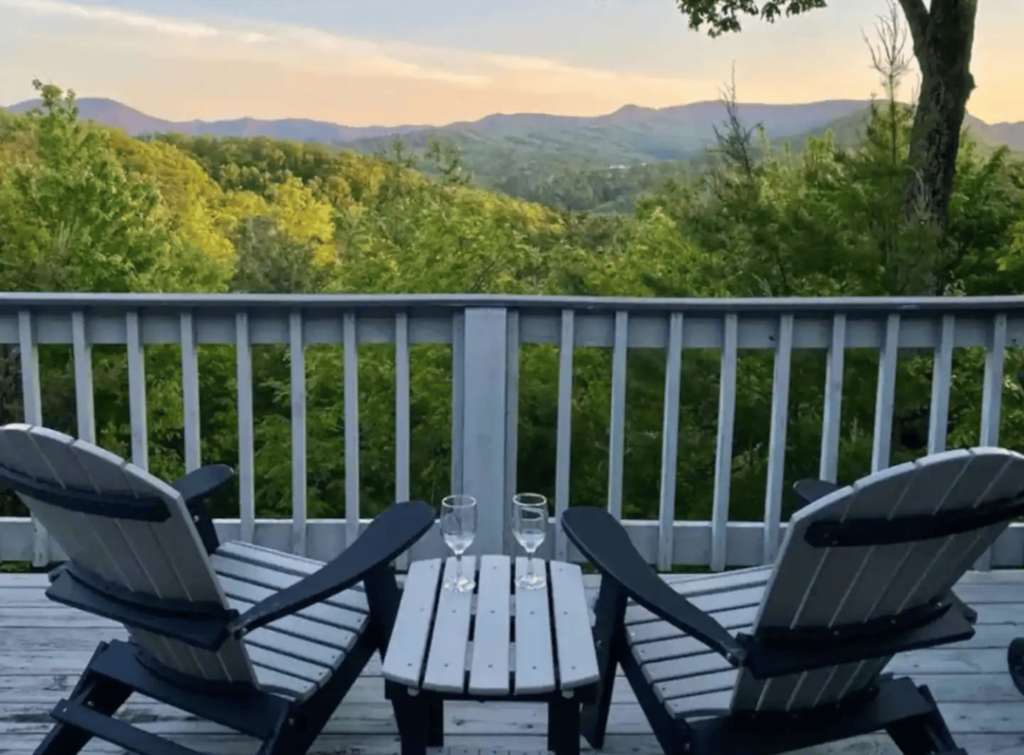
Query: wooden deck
(43,646)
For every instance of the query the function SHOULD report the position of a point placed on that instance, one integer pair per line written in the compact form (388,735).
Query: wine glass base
(531,582)
(459,584)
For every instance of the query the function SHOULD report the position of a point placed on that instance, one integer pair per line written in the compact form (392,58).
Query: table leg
(564,726)
(413,717)
(435,722)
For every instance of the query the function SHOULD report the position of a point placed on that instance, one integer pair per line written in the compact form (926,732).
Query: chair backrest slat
(831,587)
(160,559)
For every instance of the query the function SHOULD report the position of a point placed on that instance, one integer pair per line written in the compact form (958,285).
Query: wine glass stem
(529,564)
(458,566)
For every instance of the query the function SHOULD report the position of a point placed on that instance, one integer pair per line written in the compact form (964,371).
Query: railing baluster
(511,416)
(828,468)
(885,397)
(670,443)
(190,392)
(84,397)
(246,470)
(992,400)
(942,376)
(351,429)
(458,398)
(137,390)
(992,391)
(296,348)
(777,439)
(28,349)
(723,451)
(563,451)
(402,424)
(32,400)
(617,431)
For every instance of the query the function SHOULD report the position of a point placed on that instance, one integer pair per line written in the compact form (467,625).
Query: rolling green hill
(605,163)
(597,163)
(631,135)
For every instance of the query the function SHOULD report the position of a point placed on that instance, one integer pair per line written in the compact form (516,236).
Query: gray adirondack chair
(262,642)
(774,659)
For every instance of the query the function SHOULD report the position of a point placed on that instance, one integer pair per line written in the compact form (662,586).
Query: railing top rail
(863,306)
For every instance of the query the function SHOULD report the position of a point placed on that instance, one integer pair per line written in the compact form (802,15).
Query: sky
(366,62)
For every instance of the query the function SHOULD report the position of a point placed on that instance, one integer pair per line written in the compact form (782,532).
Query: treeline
(83,208)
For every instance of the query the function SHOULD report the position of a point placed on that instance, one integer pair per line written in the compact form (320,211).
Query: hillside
(629,136)
(504,150)
(850,128)
(600,163)
(499,145)
(135,123)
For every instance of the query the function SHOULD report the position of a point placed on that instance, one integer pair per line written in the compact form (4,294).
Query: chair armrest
(605,543)
(388,536)
(195,487)
(200,484)
(811,490)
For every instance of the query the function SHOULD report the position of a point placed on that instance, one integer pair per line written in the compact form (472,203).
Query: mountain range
(514,142)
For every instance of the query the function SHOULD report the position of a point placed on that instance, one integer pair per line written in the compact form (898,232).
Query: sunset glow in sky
(362,62)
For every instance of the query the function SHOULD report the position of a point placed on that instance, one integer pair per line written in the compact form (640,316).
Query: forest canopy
(86,208)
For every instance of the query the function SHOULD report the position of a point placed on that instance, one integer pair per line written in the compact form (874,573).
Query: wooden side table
(499,643)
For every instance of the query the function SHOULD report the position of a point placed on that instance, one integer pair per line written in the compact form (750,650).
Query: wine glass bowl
(458,527)
(530,526)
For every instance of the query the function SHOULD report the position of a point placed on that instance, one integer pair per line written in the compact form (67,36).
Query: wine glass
(458,525)
(530,525)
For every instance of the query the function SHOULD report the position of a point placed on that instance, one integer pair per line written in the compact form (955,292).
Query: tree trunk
(943,38)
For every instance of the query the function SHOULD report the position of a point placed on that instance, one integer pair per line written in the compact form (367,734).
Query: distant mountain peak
(631,108)
(630,135)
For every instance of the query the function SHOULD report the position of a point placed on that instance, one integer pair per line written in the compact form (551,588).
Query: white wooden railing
(485,334)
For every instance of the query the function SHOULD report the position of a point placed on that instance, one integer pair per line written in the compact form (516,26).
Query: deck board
(44,646)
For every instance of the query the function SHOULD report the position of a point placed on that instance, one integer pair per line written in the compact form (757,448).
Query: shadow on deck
(43,647)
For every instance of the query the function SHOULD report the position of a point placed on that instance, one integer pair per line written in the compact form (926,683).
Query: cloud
(303,49)
(164,26)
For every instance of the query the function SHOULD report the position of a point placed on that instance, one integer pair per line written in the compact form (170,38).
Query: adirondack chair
(260,641)
(775,659)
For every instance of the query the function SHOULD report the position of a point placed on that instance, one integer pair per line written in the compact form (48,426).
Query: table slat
(577,659)
(407,649)
(446,663)
(489,669)
(535,669)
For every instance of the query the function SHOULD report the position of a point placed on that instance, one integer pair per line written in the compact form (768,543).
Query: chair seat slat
(311,672)
(323,612)
(271,578)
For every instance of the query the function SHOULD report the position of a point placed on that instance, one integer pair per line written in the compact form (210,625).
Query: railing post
(484,422)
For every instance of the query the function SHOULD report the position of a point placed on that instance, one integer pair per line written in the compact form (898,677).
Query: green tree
(943,37)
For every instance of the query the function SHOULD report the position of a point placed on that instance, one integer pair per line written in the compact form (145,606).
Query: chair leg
(1015,660)
(564,727)
(594,716)
(413,717)
(609,636)
(100,694)
(923,735)
(435,723)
